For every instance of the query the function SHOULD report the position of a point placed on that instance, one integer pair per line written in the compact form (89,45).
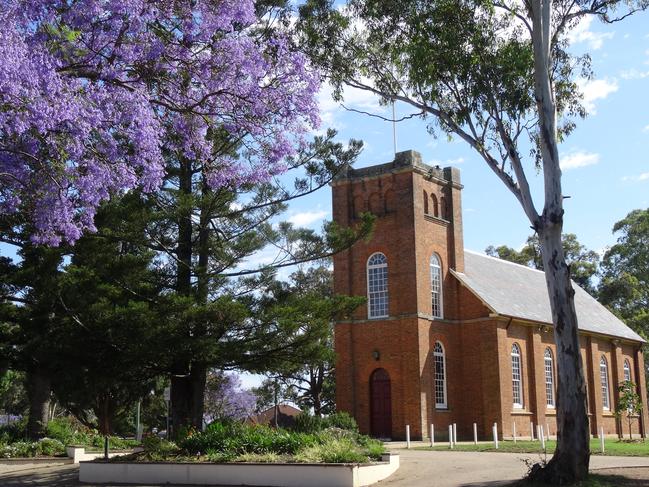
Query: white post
(601,439)
(432,435)
(475,434)
(547,430)
(542,437)
(455,433)
(450,436)
(407,436)
(514,431)
(495,435)
(531,431)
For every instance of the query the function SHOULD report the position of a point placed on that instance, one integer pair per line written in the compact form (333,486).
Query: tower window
(440,376)
(517,383)
(603,374)
(549,378)
(425,203)
(435,209)
(436,286)
(377,286)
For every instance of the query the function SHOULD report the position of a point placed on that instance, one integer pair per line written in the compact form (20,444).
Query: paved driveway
(463,469)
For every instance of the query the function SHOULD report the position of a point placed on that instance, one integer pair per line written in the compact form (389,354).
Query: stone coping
(252,474)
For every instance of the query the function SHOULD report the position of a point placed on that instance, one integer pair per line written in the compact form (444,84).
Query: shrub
(70,432)
(258,458)
(154,444)
(333,451)
(239,439)
(20,449)
(17,431)
(341,420)
(51,447)
(306,423)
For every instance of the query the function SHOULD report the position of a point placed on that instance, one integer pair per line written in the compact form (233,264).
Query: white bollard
(432,435)
(454,434)
(531,431)
(495,435)
(514,431)
(475,434)
(601,439)
(450,436)
(542,437)
(547,431)
(407,436)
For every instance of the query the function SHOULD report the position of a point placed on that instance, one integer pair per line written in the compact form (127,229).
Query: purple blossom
(224,397)
(94,92)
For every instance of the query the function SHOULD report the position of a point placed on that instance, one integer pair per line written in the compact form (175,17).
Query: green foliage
(238,439)
(333,451)
(26,449)
(625,278)
(13,397)
(307,305)
(307,423)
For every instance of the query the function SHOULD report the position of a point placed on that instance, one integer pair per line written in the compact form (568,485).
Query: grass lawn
(612,447)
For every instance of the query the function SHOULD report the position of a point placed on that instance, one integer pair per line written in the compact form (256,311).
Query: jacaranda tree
(94,93)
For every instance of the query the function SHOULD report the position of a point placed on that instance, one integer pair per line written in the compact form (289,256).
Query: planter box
(78,454)
(260,474)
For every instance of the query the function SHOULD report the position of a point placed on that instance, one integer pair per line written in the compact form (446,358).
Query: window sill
(521,412)
(439,409)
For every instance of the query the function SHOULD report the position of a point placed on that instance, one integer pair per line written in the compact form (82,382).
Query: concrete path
(477,469)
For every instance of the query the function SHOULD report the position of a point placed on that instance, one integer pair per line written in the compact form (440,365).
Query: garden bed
(260,474)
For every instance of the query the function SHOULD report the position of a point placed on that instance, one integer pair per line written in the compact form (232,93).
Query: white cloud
(582,33)
(640,177)
(307,217)
(577,159)
(596,89)
(353,98)
(646,128)
(634,74)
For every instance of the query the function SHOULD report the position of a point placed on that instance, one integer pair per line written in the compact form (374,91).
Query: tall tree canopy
(583,263)
(308,305)
(498,75)
(94,93)
(625,272)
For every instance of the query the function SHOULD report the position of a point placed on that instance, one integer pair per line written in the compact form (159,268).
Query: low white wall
(266,474)
(78,454)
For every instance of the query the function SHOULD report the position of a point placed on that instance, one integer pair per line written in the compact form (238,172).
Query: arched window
(444,209)
(377,286)
(425,203)
(549,378)
(517,382)
(435,211)
(436,286)
(627,370)
(603,374)
(440,376)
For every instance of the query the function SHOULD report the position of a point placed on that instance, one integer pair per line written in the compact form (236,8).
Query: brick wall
(477,345)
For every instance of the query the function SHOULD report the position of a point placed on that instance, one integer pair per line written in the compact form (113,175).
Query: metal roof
(515,290)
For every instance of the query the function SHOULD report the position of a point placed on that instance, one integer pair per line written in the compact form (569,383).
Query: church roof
(514,290)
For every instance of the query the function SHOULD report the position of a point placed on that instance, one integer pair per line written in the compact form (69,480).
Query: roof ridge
(480,254)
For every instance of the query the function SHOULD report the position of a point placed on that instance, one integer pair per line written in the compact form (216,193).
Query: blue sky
(605,161)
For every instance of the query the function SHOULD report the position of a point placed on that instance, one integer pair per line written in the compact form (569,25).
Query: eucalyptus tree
(499,75)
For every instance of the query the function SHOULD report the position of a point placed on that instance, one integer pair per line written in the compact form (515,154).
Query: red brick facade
(419,213)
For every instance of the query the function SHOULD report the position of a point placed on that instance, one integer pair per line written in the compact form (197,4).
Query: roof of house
(515,290)
(285,416)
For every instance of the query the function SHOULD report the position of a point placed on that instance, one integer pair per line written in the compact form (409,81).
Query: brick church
(452,336)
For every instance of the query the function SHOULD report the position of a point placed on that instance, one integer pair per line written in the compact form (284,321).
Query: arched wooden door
(380,404)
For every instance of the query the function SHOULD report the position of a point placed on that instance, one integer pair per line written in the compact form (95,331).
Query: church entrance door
(380,404)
